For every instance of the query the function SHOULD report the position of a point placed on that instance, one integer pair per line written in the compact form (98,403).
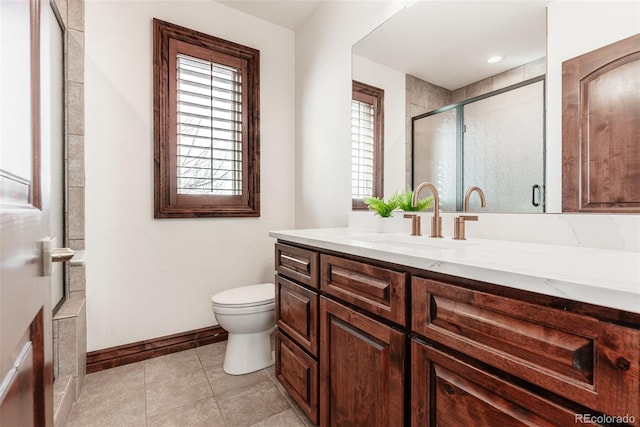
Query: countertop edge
(611,297)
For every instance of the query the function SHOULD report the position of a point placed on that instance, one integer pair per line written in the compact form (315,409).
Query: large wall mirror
(468,121)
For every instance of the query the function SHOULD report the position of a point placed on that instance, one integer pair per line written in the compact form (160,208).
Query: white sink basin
(405,240)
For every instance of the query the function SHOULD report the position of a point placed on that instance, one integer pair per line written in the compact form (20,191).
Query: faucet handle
(415,224)
(458,229)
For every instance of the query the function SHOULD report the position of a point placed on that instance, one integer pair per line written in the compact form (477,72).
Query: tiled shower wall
(69,323)
(422,96)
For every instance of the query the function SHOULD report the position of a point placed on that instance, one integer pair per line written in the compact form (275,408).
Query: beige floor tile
(212,355)
(247,406)
(113,381)
(221,382)
(287,418)
(174,365)
(204,413)
(114,409)
(305,420)
(173,391)
(185,389)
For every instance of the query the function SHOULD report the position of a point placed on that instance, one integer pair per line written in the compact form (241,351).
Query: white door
(26,375)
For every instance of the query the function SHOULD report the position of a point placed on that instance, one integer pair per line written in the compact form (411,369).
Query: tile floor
(185,389)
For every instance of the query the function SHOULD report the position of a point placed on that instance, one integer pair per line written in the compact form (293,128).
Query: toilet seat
(245,296)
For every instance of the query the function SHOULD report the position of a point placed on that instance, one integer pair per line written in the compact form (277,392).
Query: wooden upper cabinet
(601,129)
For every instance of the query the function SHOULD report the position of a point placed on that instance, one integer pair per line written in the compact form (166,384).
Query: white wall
(323,107)
(148,278)
(393,83)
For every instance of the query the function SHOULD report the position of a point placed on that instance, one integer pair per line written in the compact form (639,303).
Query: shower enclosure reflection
(495,142)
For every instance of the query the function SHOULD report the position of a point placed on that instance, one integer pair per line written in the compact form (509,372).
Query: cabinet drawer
(450,393)
(297,313)
(298,264)
(592,363)
(298,374)
(378,290)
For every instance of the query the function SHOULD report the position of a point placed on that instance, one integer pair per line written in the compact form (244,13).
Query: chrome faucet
(458,230)
(436,222)
(467,195)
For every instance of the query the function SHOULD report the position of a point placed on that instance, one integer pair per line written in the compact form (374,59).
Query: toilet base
(248,352)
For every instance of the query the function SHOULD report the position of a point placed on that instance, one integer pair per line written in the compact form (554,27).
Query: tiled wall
(69,323)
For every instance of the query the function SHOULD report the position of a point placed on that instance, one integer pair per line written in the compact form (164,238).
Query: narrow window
(206,125)
(367,127)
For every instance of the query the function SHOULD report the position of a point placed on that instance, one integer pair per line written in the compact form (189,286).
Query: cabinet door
(298,374)
(361,369)
(297,313)
(447,392)
(601,129)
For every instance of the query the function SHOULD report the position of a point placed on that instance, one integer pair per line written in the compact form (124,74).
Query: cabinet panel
(618,371)
(361,369)
(554,349)
(298,374)
(298,264)
(448,392)
(297,313)
(601,128)
(378,290)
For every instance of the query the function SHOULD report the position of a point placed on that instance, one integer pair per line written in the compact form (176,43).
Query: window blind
(362,149)
(209,127)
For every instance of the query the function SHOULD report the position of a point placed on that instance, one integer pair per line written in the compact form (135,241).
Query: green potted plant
(382,208)
(404,202)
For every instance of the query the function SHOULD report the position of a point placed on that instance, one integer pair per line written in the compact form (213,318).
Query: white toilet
(247,314)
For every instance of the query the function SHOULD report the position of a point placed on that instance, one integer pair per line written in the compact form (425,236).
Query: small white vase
(386,225)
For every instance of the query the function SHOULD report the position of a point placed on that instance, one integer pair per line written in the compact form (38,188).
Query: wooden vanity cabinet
(589,362)
(297,334)
(367,343)
(448,392)
(361,369)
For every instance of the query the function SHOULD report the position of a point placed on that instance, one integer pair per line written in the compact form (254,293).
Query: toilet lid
(246,296)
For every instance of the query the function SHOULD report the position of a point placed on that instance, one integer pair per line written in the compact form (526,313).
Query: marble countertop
(605,277)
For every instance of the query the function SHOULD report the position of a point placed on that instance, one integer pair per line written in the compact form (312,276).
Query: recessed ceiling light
(494,59)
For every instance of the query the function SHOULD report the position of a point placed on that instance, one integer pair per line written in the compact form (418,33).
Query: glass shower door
(503,149)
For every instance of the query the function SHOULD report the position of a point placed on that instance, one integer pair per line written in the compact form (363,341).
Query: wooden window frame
(169,40)
(372,95)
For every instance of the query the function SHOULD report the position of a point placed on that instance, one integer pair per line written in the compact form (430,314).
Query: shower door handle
(535,189)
